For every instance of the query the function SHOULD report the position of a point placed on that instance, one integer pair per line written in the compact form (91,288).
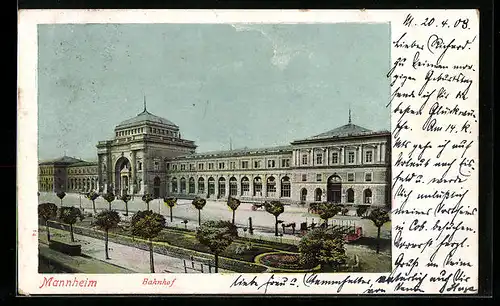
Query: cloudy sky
(260,85)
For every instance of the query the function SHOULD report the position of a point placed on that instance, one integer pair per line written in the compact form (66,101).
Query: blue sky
(260,85)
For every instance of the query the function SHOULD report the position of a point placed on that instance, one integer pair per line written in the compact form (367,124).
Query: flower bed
(283,261)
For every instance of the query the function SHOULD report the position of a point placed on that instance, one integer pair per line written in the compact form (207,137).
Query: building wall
(371,174)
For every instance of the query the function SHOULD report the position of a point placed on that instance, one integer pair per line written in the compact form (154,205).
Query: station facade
(349,165)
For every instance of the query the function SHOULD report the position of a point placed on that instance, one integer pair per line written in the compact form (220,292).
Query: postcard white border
(29,280)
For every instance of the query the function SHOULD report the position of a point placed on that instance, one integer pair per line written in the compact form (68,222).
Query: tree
(328,210)
(379,217)
(70,215)
(93,196)
(148,224)
(170,202)
(126,198)
(199,203)
(107,220)
(47,211)
(109,197)
(275,208)
(147,198)
(217,236)
(61,195)
(320,246)
(361,210)
(233,203)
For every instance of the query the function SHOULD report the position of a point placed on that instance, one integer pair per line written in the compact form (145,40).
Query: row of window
(79,184)
(318,195)
(271,163)
(81,170)
(285,190)
(350,177)
(233,186)
(151,130)
(351,158)
(48,171)
(245,164)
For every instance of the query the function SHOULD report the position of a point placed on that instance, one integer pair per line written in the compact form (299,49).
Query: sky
(254,85)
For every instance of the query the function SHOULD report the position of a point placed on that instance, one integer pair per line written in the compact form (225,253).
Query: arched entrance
(122,176)
(222,187)
(156,187)
(211,186)
(303,195)
(317,195)
(334,188)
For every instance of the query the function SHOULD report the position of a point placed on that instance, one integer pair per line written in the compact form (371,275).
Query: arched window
(174,185)
(257,186)
(245,186)
(350,195)
(222,187)
(191,185)
(271,185)
(201,185)
(211,186)
(317,194)
(303,195)
(367,195)
(183,185)
(233,186)
(156,187)
(285,187)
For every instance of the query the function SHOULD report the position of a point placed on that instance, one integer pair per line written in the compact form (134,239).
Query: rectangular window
(318,177)
(244,164)
(350,177)
(200,167)
(335,158)
(304,159)
(256,164)
(271,163)
(319,158)
(221,165)
(368,177)
(191,167)
(183,167)
(304,177)
(232,165)
(368,156)
(210,166)
(350,157)
(285,163)
(156,166)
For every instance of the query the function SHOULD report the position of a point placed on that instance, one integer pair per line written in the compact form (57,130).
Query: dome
(145,117)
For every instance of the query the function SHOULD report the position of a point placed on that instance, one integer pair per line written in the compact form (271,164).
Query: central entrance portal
(334,189)
(122,176)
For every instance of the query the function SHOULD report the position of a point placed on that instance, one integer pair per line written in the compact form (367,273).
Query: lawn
(245,249)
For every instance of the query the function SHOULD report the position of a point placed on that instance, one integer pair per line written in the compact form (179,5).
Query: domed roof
(145,117)
(344,131)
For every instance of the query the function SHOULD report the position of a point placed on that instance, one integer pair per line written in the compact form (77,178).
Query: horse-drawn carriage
(257,206)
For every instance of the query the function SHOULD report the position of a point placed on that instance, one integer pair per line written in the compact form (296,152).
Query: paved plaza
(125,256)
(262,221)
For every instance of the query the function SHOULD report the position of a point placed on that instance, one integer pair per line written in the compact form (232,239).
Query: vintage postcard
(249,152)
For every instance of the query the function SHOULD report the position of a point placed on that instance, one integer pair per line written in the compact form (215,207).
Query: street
(261,220)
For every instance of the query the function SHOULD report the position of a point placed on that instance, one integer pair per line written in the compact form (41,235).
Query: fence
(193,267)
